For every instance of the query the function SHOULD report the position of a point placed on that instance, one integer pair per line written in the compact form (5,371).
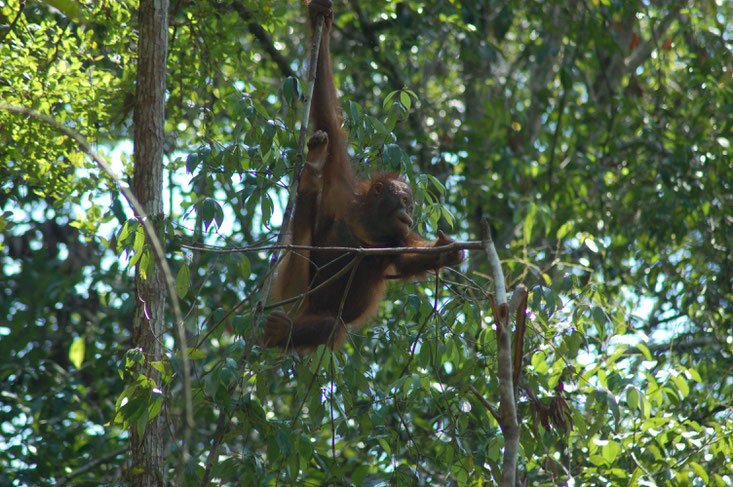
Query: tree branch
(507,405)
(486,403)
(90,465)
(364,251)
(261,35)
(651,145)
(643,51)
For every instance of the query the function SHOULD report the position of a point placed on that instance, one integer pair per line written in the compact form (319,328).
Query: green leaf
(251,113)
(682,386)
(155,405)
(116,207)
(69,8)
(378,126)
(76,352)
(267,207)
(182,281)
(447,215)
(210,211)
(196,354)
(244,267)
(353,113)
(436,182)
(633,397)
(600,319)
(192,161)
(539,363)
(291,90)
(405,100)
(598,460)
(701,472)
(644,351)
(550,300)
(564,230)
(385,446)
(284,441)
(529,223)
(139,239)
(123,236)
(240,325)
(388,98)
(321,357)
(392,155)
(147,263)
(610,451)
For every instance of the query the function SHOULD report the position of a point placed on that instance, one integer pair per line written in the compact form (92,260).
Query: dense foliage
(594,135)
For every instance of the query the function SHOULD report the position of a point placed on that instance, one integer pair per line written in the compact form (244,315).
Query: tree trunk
(147,447)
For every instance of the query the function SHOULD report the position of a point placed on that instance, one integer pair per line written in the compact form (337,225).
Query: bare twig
(90,465)
(363,251)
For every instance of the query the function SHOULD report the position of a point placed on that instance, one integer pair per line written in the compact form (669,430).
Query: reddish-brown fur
(334,209)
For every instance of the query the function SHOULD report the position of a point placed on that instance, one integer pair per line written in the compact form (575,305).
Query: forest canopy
(593,136)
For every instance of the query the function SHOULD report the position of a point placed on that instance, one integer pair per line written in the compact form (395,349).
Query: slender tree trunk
(147,449)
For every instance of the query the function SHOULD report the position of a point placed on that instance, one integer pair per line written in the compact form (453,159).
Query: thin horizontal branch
(467,245)
(677,346)
(90,465)
(652,145)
